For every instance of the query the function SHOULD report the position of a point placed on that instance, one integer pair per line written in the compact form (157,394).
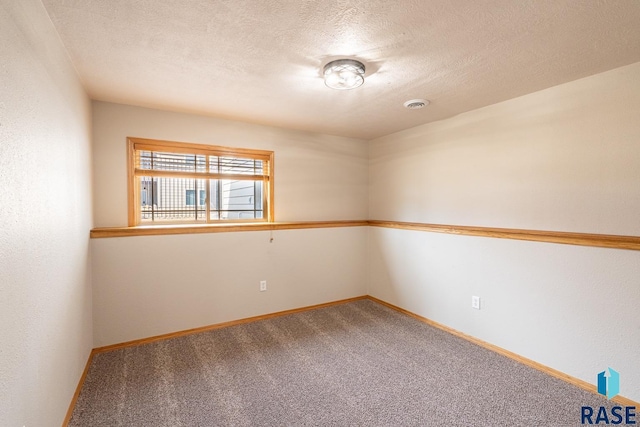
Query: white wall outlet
(475,302)
(263,285)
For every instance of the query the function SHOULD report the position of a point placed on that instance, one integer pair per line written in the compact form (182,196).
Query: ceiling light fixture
(344,74)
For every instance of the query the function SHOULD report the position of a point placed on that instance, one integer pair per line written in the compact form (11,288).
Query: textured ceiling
(261,61)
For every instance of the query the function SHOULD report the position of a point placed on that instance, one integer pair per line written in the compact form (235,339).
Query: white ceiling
(261,61)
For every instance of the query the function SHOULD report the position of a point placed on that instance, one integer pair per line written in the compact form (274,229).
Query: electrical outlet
(263,285)
(475,302)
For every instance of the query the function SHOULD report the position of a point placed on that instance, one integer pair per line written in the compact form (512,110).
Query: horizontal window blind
(185,183)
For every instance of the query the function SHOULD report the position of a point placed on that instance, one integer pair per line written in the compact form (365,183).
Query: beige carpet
(354,364)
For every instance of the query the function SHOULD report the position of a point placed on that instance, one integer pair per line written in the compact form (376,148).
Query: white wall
(45,212)
(566,158)
(145,286)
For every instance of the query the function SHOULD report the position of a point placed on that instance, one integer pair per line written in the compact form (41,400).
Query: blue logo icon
(609,383)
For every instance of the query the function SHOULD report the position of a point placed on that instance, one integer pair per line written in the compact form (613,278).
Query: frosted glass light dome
(344,74)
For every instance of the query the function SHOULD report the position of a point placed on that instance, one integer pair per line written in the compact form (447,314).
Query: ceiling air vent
(416,104)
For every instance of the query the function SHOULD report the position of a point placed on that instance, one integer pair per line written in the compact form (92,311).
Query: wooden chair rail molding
(157,230)
(568,238)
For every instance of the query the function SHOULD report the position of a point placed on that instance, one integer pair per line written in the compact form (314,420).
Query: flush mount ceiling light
(344,74)
(416,104)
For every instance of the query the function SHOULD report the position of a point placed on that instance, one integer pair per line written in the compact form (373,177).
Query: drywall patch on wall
(45,157)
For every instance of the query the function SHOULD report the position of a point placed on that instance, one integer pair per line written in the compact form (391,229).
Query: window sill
(161,230)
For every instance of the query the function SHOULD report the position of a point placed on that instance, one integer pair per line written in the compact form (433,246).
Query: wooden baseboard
(540,367)
(221,325)
(143,341)
(74,399)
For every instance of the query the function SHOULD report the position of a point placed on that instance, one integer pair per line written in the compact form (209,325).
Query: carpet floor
(353,364)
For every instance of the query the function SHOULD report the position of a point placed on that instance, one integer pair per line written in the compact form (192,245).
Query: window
(174,182)
(190,197)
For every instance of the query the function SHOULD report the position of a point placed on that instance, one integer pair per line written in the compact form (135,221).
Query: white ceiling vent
(416,104)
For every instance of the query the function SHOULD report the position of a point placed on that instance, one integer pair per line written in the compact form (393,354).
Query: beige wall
(566,158)
(147,286)
(45,212)
(317,177)
(563,159)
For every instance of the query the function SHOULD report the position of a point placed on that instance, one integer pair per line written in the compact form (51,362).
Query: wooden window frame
(142,144)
